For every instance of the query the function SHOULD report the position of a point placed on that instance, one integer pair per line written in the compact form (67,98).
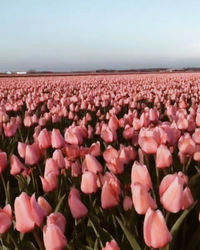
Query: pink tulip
(147,141)
(127,203)
(140,174)
(163,157)
(156,233)
(59,159)
(21,147)
(112,245)
(92,164)
(57,219)
(50,182)
(16,166)
(77,208)
(53,237)
(187,198)
(44,139)
(3,161)
(186,145)
(142,199)
(32,154)
(44,205)
(57,140)
(32,213)
(171,193)
(110,191)
(89,183)
(5,219)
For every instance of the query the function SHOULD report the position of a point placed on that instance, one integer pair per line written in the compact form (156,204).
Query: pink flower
(77,208)
(110,191)
(142,199)
(147,141)
(5,219)
(140,174)
(57,219)
(112,245)
(89,183)
(32,213)
(127,203)
(57,140)
(163,157)
(53,237)
(44,139)
(16,166)
(156,233)
(32,154)
(92,164)
(3,161)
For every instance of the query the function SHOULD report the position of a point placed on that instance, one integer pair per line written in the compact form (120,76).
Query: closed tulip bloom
(32,154)
(3,161)
(107,134)
(156,233)
(171,193)
(44,205)
(58,219)
(95,149)
(50,182)
(112,245)
(89,183)
(113,123)
(140,174)
(198,119)
(57,140)
(58,157)
(147,141)
(186,145)
(37,212)
(44,139)
(163,157)
(51,167)
(142,199)
(127,203)
(5,218)
(187,198)
(196,136)
(21,147)
(77,208)
(73,135)
(53,237)
(23,214)
(196,155)
(110,191)
(72,152)
(16,166)
(92,164)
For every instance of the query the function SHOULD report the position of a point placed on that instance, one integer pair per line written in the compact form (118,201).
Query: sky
(69,35)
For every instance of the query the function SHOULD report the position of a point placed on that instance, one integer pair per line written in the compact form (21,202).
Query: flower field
(100,162)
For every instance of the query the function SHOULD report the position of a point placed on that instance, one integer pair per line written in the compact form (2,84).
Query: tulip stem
(13,241)
(38,240)
(5,189)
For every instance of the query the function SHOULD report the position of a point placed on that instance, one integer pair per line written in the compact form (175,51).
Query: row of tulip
(100,162)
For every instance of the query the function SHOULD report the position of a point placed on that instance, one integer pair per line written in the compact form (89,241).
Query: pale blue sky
(66,35)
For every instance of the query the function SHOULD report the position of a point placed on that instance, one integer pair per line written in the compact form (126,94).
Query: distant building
(21,72)
(8,72)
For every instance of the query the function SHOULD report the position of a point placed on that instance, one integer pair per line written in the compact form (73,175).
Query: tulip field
(100,162)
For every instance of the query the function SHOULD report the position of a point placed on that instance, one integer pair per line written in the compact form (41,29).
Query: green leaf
(101,233)
(177,225)
(179,221)
(27,245)
(130,237)
(60,203)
